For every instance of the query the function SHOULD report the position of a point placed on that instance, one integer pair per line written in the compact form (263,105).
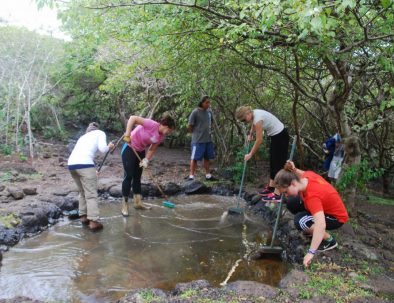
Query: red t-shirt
(320,195)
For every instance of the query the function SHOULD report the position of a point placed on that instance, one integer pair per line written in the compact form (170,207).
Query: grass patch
(148,296)
(330,280)
(6,176)
(9,221)
(188,294)
(380,201)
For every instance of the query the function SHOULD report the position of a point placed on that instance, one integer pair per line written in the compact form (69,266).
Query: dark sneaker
(271,198)
(188,178)
(327,245)
(212,178)
(266,191)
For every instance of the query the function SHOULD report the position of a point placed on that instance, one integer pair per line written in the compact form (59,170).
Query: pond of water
(155,248)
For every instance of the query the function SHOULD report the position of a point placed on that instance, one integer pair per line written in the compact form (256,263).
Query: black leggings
(132,171)
(278,152)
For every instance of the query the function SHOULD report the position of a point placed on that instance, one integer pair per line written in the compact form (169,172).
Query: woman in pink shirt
(147,133)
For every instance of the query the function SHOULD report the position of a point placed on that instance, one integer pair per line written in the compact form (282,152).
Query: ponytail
(285,176)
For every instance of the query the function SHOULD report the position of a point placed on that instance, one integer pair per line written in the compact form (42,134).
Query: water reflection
(156,248)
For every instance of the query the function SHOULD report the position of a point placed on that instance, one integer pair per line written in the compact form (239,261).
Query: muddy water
(155,248)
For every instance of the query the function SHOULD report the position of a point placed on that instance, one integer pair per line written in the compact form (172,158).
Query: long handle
(109,151)
(150,174)
(281,197)
(244,168)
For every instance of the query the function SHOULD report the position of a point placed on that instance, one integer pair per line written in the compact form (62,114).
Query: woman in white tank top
(265,121)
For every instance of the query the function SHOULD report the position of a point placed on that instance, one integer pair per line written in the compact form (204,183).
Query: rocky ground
(35,194)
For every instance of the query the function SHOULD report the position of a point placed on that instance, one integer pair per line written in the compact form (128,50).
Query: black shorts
(303,219)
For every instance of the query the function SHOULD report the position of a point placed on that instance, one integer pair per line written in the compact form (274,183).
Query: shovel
(166,203)
(108,152)
(238,210)
(271,249)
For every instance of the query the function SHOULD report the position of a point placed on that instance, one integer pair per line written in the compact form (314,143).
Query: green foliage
(188,294)
(380,201)
(338,286)
(6,176)
(147,59)
(50,132)
(22,157)
(358,175)
(10,221)
(6,149)
(237,167)
(28,61)
(148,296)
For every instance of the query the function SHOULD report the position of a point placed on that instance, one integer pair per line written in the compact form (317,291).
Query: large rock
(135,296)
(116,191)
(30,190)
(67,203)
(9,237)
(253,288)
(195,187)
(16,193)
(194,285)
(171,189)
(149,190)
(293,282)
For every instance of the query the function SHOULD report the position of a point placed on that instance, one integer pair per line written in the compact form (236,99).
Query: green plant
(6,149)
(22,157)
(148,296)
(358,175)
(54,133)
(188,294)
(380,201)
(238,166)
(305,294)
(6,176)
(9,221)
(338,286)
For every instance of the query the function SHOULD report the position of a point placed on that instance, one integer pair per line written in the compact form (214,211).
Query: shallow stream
(155,248)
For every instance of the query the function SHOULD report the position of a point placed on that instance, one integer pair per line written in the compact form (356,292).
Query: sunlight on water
(197,239)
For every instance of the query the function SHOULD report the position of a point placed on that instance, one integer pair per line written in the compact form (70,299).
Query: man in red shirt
(319,209)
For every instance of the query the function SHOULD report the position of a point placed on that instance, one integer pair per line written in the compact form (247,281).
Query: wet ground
(156,248)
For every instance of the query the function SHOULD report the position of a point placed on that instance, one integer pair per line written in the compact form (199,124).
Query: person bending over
(147,133)
(265,121)
(323,207)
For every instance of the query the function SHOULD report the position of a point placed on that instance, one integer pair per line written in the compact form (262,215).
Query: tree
(25,67)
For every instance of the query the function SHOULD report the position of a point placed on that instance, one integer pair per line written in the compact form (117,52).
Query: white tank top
(271,124)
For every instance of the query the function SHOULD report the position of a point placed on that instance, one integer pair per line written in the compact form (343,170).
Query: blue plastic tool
(168,204)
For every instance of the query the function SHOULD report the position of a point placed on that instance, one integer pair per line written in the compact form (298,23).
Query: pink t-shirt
(146,134)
